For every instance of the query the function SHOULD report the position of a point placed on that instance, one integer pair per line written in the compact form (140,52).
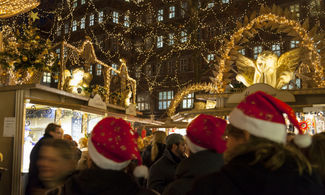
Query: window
(58,52)
(183,37)
(295,9)
(138,73)
(91,20)
(56,80)
(100,16)
(294,44)
(149,18)
(74,3)
(160,43)
(225,1)
(172,12)
(211,5)
(183,65)
(58,31)
(115,67)
(83,2)
(210,57)
(148,69)
(99,70)
(91,69)
(276,49)
(66,28)
(160,15)
(115,17)
(46,77)
(164,99)
(82,23)
(127,21)
(170,65)
(74,25)
(183,8)
(188,101)
(242,52)
(257,50)
(171,39)
(143,102)
(293,84)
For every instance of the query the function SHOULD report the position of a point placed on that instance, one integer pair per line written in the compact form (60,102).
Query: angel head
(266,61)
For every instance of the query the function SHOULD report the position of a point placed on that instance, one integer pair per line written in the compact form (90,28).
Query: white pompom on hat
(262,115)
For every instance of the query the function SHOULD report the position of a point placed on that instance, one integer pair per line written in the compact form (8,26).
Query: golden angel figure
(268,68)
(77,81)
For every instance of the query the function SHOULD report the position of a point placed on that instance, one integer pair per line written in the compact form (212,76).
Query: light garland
(9,8)
(249,30)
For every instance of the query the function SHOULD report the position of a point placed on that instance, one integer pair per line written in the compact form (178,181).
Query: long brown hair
(158,137)
(316,154)
(271,154)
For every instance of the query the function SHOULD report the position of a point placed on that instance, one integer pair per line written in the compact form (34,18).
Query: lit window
(183,65)
(127,0)
(74,3)
(126,21)
(225,1)
(143,102)
(83,2)
(294,44)
(210,57)
(160,15)
(66,28)
(172,12)
(188,101)
(183,8)
(211,5)
(91,69)
(160,43)
(115,17)
(91,20)
(257,50)
(58,31)
(100,16)
(115,67)
(164,99)
(74,25)
(58,52)
(99,70)
(242,52)
(46,77)
(276,49)
(183,37)
(82,23)
(295,9)
(171,38)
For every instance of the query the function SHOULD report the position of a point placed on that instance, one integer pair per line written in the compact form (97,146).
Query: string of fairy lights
(144,29)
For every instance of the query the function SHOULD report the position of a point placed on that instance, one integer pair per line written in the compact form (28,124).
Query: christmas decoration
(9,8)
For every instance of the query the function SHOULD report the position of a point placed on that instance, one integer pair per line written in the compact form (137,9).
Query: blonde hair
(271,154)
(158,137)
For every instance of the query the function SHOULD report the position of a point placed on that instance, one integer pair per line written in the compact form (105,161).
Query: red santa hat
(262,115)
(113,145)
(205,132)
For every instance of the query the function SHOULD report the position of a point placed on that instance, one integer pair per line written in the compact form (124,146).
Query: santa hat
(113,145)
(205,132)
(262,115)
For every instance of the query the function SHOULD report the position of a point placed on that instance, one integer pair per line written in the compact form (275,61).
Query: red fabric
(207,131)
(263,106)
(114,139)
(143,133)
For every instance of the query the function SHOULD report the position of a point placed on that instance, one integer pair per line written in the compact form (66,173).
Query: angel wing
(245,70)
(287,64)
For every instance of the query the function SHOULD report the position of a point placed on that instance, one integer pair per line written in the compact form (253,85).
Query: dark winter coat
(197,165)
(162,172)
(100,182)
(239,178)
(146,154)
(33,180)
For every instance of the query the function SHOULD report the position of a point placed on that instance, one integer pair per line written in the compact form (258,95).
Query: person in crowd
(111,147)
(264,164)
(162,172)
(316,154)
(154,151)
(83,146)
(57,161)
(52,131)
(204,137)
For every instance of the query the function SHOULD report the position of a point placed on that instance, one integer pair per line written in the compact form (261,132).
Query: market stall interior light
(9,8)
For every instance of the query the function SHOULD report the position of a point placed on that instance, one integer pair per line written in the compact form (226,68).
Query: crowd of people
(252,154)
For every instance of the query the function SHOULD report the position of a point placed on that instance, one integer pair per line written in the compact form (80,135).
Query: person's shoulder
(144,191)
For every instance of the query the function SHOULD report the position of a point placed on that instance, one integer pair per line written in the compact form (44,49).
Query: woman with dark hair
(263,164)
